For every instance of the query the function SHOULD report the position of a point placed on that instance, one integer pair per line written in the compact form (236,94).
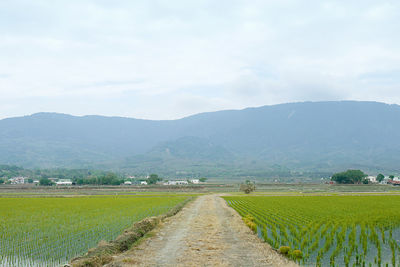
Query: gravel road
(205,233)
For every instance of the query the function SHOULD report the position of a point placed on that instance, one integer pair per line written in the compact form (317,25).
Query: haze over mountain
(309,136)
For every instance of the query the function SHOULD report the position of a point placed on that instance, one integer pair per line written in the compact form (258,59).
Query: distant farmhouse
(372,179)
(64,182)
(177,182)
(18,180)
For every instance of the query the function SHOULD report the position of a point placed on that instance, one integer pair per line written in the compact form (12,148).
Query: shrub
(284,249)
(248,187)
(249,221)
(297,254)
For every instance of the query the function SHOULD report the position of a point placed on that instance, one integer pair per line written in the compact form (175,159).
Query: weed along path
(205,233)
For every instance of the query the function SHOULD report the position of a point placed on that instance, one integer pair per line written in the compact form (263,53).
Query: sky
(170,59)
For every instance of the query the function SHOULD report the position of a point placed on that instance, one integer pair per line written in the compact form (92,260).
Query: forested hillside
(310,136)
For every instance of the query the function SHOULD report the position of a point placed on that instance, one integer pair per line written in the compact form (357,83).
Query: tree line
(355,177)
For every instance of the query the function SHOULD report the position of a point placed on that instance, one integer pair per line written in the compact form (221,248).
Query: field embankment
(103,253)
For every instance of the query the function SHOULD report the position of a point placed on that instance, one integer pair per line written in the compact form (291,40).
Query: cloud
(169,59)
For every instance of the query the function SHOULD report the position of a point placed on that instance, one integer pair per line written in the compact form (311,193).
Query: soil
(205,233)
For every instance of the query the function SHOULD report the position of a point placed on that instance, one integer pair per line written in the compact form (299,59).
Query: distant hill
(309,136)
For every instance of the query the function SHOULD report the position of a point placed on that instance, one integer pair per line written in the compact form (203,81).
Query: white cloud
(169,59)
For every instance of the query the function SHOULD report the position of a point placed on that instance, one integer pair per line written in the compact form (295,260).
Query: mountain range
(285,138)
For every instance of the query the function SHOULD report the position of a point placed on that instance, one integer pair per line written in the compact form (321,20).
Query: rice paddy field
(49,231)
(327,230)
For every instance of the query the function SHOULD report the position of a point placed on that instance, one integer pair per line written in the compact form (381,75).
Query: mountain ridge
(315,136)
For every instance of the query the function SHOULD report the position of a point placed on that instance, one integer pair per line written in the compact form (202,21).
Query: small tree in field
(153,179)
(45,181)
(248,187)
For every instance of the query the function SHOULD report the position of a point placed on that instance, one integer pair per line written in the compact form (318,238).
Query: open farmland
(50,231)
(327,230)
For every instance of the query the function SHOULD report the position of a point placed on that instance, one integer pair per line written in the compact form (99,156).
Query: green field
(50,231)
(328,230)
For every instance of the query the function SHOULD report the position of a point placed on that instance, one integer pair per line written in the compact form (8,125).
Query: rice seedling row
(326,230)
(51,231)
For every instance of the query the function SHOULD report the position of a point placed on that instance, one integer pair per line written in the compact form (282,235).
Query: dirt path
(205,233)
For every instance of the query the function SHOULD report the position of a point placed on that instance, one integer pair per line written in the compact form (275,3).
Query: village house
(195,181)
(372,179)
(143,183)
(18,180)
(386,180)
(54,180)
(64,182)
(177,182)
(127,183)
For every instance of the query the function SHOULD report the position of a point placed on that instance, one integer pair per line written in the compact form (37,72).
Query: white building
(178,182)
(143,183)
(372,179)
(18,180)
(127,183)
(195,181)
(64,182)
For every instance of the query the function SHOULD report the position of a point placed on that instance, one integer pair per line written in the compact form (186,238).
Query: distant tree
(349,177)
(248,187)
(45,181)
(380,177)
(153,179)
(30,181)
(1,181)
(391,177)
(203,179)
(117,182)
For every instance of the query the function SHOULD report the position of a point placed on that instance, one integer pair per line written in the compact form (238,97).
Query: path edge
(285,260)
(103,253)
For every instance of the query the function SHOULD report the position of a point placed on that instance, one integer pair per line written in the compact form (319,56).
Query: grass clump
(284,250)
(297,254)
(249,221)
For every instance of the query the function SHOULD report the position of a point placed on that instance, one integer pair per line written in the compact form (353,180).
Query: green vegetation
(45,181)
(380,177)
(327,230)
(349,177)
(153,179)
(51,231)
(104,179)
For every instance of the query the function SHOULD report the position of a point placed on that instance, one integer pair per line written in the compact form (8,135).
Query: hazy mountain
(301,136)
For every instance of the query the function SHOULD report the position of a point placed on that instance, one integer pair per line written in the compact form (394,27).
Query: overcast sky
(169,59)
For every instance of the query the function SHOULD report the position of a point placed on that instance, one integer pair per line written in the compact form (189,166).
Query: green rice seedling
(329,230)
(51,231)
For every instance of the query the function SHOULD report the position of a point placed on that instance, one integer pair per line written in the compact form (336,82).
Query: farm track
(205,233)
